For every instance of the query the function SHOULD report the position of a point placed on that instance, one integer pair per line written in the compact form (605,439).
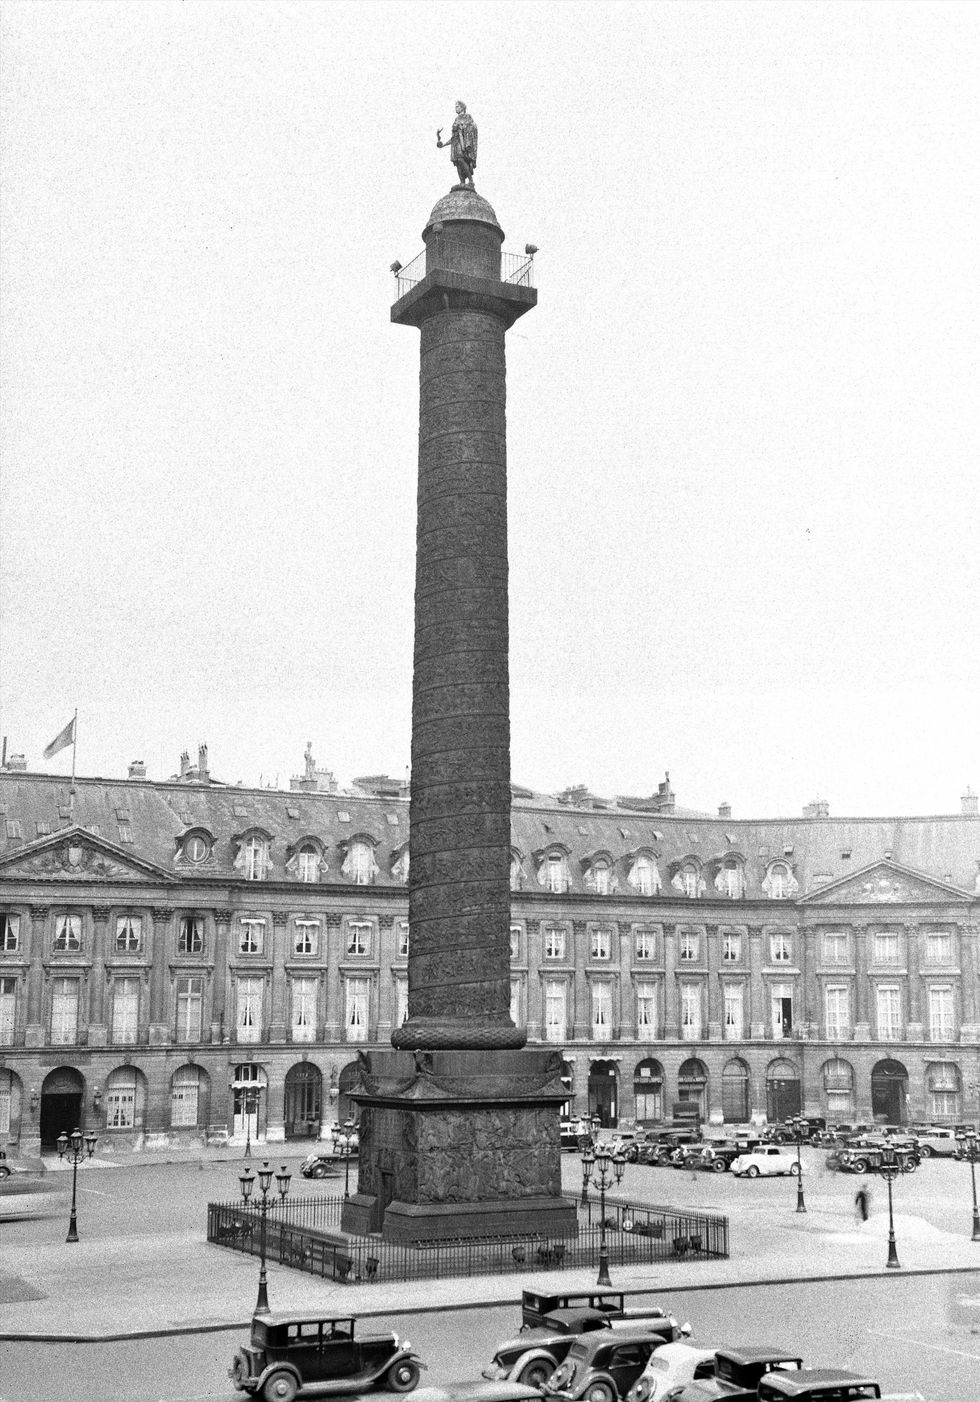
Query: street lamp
(893,1162)
(73,1146)
(345,1141)
(606,1169)
(247,1180)
(799,1127)
(969,1152)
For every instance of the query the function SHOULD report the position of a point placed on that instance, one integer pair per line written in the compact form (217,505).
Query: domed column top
(463,236)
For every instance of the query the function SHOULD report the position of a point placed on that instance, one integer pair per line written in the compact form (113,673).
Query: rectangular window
(64,1012)
(734,1027)
(646,1011)
(837,1012)
(939,947)
(358,939)
(731,947)
(889,1014)
(125,1010)
(401,1001)
(256,859)
(356,1018)
(304,1009)
(886,948)
(554,942)
(403,939)
(944,1089)
(646,944)
(689,946)
(184,1097)
(601,944)
(781,948)
(941,1014)
(9,933)
(515,1002)
(68,933)
(129,934)
(251,936)
(360,863)
(690,1012)
(556,875)
(249,1018)
(835,947)
(601,876)
(190,1000)
(515,942)
(190,938)
(601,1012)
(308,864)
(306,937)
(732,882)
(120,1106)
(555,1012)
(8,1011)
(781,996)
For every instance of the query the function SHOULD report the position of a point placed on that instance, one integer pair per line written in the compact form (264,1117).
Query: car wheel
(600,1392)
(909,1166)
(858,1166)
(280,1387)
(535,1373)
(752,1171)
(239,1371)
(794,1169)
(4,1171)
(718,1166)
(403,1376)
(924,1151)
(319,1170)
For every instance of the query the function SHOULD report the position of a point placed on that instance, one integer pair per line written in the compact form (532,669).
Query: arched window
(125,1098)
(730,880)
(554,873)
(187,1097)
(838,1089)
(648,1091)
(779,882)
(692,1084)
(308,863)
(644,876)
(735,1091)
(254,859)
(359,865)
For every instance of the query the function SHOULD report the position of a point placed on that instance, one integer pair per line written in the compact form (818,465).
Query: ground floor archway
(692,1084)
(604,1093)
(890,1092)
(735,1092)
(783,1093)
(648,1091)
(304,1092)
(838,1091)
(62,1105)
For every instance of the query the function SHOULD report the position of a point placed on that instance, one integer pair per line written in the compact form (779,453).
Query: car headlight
(640,1391)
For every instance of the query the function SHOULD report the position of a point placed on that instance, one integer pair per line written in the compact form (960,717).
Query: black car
(290,1356)
(718,1155)
(320,1164)
(738,1374)
(813,1126)
(818,1385)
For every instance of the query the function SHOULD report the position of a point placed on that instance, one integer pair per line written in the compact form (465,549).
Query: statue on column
(462,144)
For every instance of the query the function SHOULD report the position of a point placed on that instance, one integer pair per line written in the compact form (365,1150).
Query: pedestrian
(862,1203)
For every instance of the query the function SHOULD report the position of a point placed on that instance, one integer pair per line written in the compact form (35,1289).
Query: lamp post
(799,1126)
(892,1164)
(77,1150)
(607,1170)
(247,1180)
(969,1152)
(345,1142)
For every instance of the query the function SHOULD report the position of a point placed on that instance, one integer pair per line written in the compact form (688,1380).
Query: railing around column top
(516,268)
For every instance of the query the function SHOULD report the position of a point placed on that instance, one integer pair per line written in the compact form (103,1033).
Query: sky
(742,422)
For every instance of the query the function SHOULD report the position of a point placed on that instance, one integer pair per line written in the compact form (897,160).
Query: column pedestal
(459,1144)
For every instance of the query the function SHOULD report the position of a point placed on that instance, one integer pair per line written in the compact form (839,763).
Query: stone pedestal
(459,1144)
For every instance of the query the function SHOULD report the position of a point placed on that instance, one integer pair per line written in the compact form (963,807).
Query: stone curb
(177,1331)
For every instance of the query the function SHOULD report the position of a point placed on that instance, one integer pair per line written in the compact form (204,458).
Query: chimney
(969,803)
(17,763)
(185,763)
(819,808)
(724,810)
(202,764)
(137,769)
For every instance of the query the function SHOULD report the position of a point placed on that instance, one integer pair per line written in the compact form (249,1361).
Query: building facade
(184,960)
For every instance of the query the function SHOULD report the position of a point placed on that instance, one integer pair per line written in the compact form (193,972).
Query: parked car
(538,1306)
(669,1366)
(766,1161)
(738,1374)
(300,1355)
(11,1163)
(817,1385)
(785,1132)
(536,1352)
(603,1366)
(866,1155)
(573,1134)
(320,1164)
(718,1155)
(935,1141)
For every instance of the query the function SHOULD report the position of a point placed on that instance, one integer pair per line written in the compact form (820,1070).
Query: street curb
(177,1331)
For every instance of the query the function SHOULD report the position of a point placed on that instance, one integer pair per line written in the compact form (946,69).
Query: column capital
(39,912)
(280,919)
(579,927)
(385,922)
(160,915)
(222,917)
(333,919)
(101,913)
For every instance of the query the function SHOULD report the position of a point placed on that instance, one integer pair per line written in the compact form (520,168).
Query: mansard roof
(143,820)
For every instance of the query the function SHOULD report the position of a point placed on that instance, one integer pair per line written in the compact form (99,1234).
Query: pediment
(884,883)
(74,854)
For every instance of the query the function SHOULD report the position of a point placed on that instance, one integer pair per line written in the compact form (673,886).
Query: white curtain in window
(601,1012)
(64,1012)
(941,1014)
(304,1009)
(646,1010)
(555,1017)
(125,1009)
(733,1012)
(837,1012)
(690,1012)
(357,1009)
(8,1006)
(249,1009)
(889,1015)
(189,1004)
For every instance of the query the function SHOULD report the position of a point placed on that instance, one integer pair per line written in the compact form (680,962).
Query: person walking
(862,1203)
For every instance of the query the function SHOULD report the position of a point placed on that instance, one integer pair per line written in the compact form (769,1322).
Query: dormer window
(359,865)
(644,876)
(599,874)
(730,880)
(308,863)
(256,859)
(516,871)
(556,874)
(196,848)
(400,864)
(780,883)
(688,879)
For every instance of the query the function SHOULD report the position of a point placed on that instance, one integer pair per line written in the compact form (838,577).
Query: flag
(60,742)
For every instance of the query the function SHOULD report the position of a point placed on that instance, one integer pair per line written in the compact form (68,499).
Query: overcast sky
(742,421)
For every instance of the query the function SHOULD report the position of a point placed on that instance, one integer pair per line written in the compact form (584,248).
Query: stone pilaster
(98,1027)
(160,942)
(220,980)
(333,933)
(34,1032)
(914,959)
(862,987)
(714,1008)
(970,1027)
(279,1020)
(672,1011)
(758,1012)
(582,996)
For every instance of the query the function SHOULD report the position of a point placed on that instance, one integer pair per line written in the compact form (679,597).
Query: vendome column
(459,1124)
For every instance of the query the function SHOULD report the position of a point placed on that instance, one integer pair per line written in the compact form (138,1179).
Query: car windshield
(658,1364)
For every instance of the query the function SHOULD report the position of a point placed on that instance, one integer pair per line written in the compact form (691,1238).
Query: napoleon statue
(462,145)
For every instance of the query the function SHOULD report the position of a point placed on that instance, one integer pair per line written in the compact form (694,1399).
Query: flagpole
(74,746)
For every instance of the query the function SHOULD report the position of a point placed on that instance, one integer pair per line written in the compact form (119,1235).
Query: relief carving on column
(494,1155)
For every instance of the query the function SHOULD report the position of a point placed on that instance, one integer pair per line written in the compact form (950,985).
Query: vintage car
(300,1355)
(785,1133)
(539,1305)
(11,1163)
(765,1161)
(935,1141)
(718,1155)
(865,1155)
(818,1385)
(738,1373)
(603,1366)
(574,1134)
(320,1164)
(537,1351)
(671,1366)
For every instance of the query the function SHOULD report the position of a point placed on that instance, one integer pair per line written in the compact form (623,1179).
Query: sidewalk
(173,1283)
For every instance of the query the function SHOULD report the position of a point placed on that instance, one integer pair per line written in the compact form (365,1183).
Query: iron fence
(306,1235)
(517,268)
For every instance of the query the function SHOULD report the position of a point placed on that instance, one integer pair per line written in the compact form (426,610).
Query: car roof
(305,1317)
(757,1353)
(793,1384)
